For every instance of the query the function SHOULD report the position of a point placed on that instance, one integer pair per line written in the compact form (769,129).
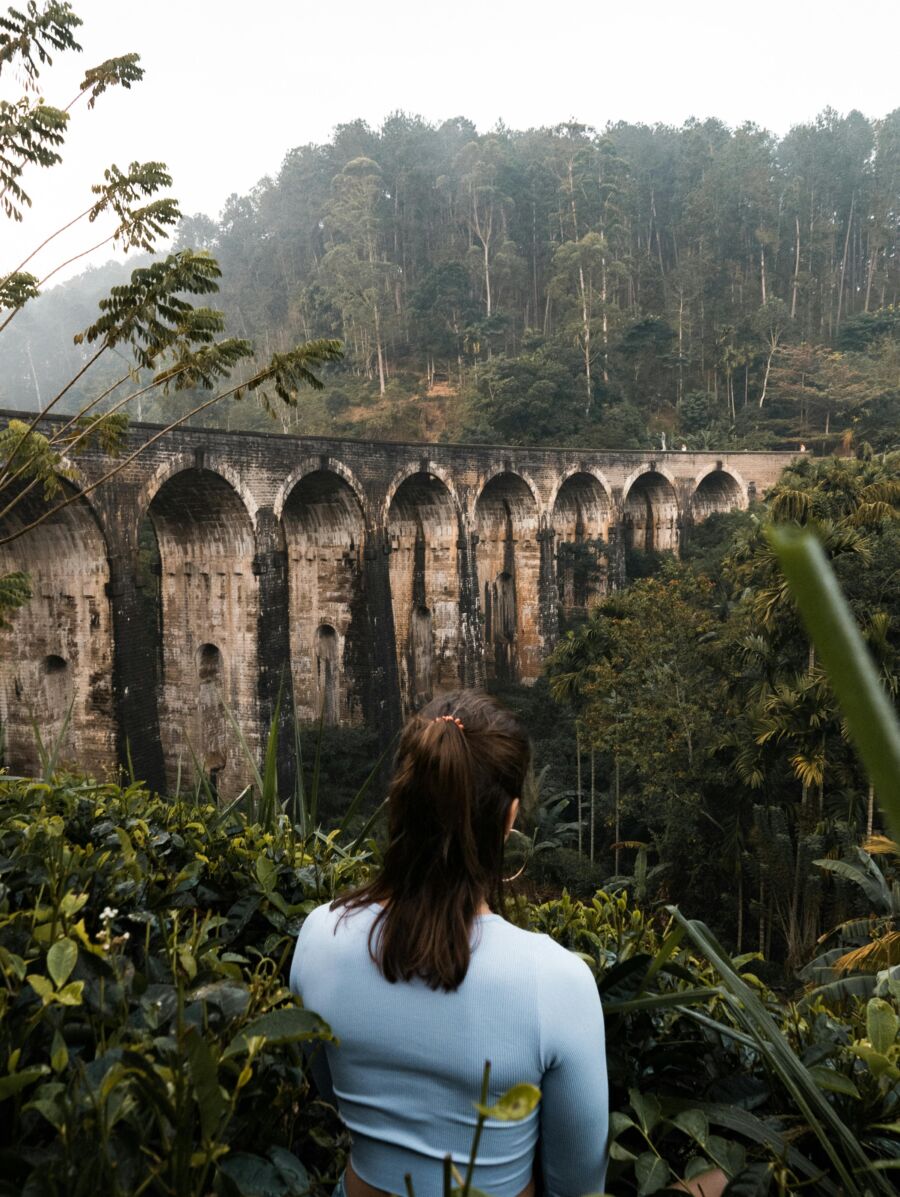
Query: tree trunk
(618,830)
(772,349)
(586,325)
(796,280)
(740,907)
(487,280)
(605,319)
(873,258)
(578,786)
(837,324)
(593,802)
(37,389)
(378,351)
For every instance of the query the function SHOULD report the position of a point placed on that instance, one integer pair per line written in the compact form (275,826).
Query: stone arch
(716,490)
(180,463)
(426,468)
(650,512)
(313,465)
(508,561)
(208,605)
(56,658)
(592,472)
(423,531)
(324,534)
(580,520)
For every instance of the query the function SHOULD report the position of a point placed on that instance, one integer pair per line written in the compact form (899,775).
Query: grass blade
(269,801)
(659,1001)
(362,791)
(245,748)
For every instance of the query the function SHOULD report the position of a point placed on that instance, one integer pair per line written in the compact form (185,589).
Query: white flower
(107,913)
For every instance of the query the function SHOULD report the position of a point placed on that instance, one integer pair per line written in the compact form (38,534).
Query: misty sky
(231,87)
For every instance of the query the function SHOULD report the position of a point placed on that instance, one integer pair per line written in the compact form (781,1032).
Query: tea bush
(149,1044)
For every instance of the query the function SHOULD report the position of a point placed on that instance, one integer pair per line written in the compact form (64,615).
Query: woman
(422,980)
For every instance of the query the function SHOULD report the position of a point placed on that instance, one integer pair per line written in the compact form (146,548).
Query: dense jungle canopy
(702,283)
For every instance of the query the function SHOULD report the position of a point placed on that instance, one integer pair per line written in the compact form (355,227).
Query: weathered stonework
(355,580)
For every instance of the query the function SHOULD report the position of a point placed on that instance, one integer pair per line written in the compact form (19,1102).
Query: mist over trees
(700,283)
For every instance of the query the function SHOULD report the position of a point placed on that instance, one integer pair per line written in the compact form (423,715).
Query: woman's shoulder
(330,917)
(540,950)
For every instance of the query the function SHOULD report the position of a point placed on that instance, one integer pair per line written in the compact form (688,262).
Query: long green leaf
(835,1137)
(245,748)
(658,1001)
(752,1127)
(269,802)
(290,1025)
(839,644)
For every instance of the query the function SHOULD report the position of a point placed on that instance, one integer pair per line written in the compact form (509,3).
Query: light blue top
(410,1059)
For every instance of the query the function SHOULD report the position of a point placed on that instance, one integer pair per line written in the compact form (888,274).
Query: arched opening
(421,647)
(208,596)
(581,523)
(508,562)
(324,533)
(423,532)
(56,657)
(213,742)
(327,674)
(718,491)
(651,515)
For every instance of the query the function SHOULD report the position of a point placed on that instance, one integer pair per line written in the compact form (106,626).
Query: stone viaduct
(355,579)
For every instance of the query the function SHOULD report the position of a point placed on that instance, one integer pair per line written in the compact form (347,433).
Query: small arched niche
(717,492)
(581,516)
(423,534)
(328,674)
(209,611)
(651,514)
(324,533)
(507,557)
(56,655)
(212,748)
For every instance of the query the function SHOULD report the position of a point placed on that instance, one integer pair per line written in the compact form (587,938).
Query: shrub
(148,1042)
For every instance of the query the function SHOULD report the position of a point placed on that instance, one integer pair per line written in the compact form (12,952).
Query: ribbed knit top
(410,1059)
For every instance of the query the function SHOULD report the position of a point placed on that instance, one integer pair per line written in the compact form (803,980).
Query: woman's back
(410,1061)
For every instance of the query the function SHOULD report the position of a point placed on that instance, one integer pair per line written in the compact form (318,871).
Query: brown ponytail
(460,763)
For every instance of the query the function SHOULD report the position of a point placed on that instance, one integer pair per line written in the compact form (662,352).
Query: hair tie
(449,719)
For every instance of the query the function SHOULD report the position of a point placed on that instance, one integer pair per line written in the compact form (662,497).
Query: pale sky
(231,87)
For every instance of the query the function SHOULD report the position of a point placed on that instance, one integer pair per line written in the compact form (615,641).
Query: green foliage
(15,591)
(851,672)
(17,289)
(30,134)
(705,1061)
(147,1040)
(30,35)
(698,689)
(138,227)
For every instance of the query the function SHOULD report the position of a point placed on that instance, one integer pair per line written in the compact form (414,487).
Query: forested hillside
(701,284)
